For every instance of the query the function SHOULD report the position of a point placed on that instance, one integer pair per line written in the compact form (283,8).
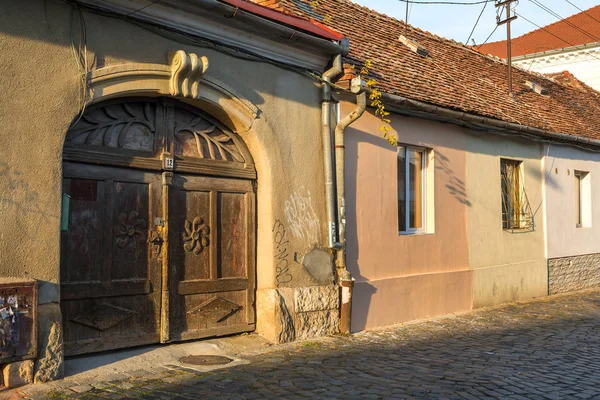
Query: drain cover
(205,360)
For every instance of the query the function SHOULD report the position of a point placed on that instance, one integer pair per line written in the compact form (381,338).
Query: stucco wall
(506,266)
(41,88)
(564,238)
(402,277)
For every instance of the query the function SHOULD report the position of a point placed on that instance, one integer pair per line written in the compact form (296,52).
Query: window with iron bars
(516,211)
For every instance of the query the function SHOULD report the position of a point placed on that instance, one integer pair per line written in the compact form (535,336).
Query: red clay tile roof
(272,4)
(453,76)
(271,10)
(558,35)
(568,79)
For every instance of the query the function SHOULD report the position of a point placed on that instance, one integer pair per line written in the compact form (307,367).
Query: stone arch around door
(158,231)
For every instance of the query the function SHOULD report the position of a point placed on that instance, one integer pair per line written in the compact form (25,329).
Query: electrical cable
(238,53)
(583,11)
(556,36)
(143,8)
(455,3)
(562,19)
(495,28)
(80,57)
(488,38)
(476,22)
(174,34)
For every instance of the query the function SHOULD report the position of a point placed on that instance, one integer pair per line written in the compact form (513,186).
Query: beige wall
(401,277)
(564,238)
(40,87)
(506,266)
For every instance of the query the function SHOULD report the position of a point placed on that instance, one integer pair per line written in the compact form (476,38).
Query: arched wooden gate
(158,227)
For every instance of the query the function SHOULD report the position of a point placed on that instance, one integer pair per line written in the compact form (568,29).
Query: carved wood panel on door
(116,261)
(213,266)
(110,280)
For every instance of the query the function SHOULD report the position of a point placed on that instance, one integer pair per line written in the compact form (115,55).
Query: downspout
(328,75)
(345,279)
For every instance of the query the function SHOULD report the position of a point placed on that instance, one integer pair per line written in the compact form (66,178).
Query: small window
(582,200)
(516,211)
(578,179)
(412,198)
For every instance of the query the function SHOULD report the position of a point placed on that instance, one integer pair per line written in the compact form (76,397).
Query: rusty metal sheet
(18,319)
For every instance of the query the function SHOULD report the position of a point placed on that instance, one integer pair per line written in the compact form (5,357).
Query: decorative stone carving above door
(184,77)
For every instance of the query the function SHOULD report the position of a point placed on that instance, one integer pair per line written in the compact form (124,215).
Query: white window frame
(579,176)
(424,161)
(585,203)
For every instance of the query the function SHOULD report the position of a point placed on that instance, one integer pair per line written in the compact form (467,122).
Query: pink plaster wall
(391,301)
(376,252)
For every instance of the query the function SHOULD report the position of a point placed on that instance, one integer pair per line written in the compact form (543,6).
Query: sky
(457,21)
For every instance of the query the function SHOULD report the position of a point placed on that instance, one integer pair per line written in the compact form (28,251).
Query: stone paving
(543,349)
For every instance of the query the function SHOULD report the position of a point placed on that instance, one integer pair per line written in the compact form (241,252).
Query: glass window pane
(416,189)
(402,188)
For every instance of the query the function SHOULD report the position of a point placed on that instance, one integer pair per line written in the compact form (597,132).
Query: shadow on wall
(455,186)
(363,291)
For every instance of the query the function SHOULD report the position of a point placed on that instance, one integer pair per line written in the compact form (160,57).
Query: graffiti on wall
(302,219)
(20,194)
(282,254)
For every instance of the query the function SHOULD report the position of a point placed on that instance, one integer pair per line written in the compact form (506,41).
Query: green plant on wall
(377,103)
(374,92)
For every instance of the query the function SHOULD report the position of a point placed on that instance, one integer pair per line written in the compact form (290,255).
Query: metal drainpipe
(345,279)
(328,75)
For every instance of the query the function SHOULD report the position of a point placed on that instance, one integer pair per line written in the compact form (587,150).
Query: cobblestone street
(544,349)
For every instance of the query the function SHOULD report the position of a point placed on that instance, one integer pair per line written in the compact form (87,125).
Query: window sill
(518,230)
(415,233)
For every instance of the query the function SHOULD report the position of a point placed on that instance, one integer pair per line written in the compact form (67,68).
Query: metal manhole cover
(206,360)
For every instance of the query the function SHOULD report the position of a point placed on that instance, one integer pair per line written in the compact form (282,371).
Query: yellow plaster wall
(506,266)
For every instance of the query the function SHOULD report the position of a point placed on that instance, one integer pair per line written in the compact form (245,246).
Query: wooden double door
(152,254)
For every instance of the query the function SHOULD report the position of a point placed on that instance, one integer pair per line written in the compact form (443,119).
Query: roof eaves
(300,23)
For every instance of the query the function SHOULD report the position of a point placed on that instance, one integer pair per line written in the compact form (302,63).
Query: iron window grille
(516,210)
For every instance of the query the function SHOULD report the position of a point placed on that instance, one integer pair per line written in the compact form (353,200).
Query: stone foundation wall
(568,274)
(289,314)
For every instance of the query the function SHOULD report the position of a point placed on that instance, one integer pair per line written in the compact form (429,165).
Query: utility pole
(507,21)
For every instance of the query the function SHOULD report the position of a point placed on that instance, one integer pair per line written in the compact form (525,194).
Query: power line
(490,35)
(488,38)
(456,3)
(556,15)
(477,22)
(556,36)
(583,11)
(142,8)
